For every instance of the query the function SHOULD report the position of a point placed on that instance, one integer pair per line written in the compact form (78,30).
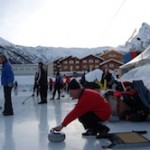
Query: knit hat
(73,84)
(92,85)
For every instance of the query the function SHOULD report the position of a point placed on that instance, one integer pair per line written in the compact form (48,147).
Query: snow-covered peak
(140,41)
(144,31)
(4,42)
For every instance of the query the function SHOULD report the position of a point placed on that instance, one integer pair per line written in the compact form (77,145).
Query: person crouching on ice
(91,110)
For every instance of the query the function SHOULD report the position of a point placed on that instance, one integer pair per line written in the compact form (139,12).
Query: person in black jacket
(57,85)
(106,76)
(83,79)
(42,82)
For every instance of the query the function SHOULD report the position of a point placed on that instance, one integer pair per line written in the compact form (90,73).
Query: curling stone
(55,136)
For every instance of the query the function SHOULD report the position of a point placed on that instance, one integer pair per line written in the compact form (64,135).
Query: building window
(84,66)
(111,65)
(96,66)
(65,67)
(77,61)
(35,69)
(21,69)
(91,61)
(65,62)
(112,55)
(15,69)
(77,67)
(84,61)
(105,66)
(71,68)
(96,61)
(71,62)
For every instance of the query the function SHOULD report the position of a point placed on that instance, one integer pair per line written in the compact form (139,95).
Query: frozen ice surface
(28,128)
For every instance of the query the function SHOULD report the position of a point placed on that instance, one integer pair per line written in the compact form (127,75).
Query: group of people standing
(41,84)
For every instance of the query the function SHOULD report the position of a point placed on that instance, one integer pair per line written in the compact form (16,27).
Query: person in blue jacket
(7,79)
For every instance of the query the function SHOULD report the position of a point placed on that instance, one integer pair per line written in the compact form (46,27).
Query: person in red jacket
(91,110)
(67,77)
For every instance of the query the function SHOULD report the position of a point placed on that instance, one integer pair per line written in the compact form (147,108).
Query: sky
(71,23)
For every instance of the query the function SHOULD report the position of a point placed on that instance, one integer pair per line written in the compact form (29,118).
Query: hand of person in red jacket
(58,128)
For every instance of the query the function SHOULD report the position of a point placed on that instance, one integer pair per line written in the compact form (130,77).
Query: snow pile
(140,73)
(94,75)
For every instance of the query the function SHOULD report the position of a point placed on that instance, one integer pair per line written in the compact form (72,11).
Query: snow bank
(94,75)
(139,73)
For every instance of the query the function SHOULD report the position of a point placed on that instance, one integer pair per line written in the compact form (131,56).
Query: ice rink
(28,128)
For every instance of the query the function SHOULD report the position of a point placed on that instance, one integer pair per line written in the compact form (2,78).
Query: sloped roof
(92,56)
(114,60)
(70,57)
(115,51)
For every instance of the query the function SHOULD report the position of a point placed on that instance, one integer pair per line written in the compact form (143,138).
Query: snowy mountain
(5,43)
(22,54)
(140,41)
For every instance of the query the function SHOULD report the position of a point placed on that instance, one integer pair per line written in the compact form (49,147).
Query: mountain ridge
(24,55)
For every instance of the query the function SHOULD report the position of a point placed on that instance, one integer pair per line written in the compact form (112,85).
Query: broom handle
(124,88)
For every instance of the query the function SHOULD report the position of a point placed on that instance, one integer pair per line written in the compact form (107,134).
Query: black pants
(57,87)
(43,92)
(7,96)
(50,88)
(91,121)
(36,89)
